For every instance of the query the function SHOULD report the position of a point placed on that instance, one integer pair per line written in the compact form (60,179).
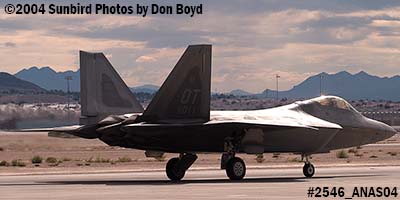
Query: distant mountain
(49,79)
(151,89)
(239,92)
(12,84)
(349,86)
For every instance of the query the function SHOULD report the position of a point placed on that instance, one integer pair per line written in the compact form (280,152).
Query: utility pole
(320,84)
(277,87)
(68,78)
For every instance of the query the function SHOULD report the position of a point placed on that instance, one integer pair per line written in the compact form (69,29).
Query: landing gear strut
(308,168)
(234,166)
(177,167)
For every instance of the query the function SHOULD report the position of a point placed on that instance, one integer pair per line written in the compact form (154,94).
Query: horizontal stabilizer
(83,131)
(55,129)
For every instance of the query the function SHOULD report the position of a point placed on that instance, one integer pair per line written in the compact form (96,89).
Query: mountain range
(49,79)
(12,84)
(350,86)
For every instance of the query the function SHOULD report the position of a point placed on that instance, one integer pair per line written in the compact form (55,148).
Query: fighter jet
(179,120)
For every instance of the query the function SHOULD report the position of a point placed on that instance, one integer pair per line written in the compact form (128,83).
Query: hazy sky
(252,40)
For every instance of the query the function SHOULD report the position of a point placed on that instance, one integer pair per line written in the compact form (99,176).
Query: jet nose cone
(391,130)
(386,131)
(382,131)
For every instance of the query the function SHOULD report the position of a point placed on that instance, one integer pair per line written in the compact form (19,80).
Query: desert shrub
(342,154)
(101,160)
(160,158)
(260,158)
(124,159)
(51,160)
(4,163)
(358,154)
(373,156)
(36,160)
(66,159)
(392,153)
(353,150)
(295,159)
(18,163)
(276,155)
(90,160)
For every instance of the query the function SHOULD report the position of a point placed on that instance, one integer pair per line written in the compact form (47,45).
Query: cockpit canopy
(331,108)
(333,102)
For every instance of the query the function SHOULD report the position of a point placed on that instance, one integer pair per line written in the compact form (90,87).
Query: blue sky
(252,40)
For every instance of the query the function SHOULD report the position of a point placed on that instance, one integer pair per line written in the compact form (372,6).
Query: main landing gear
(308,168)
(177,167)
(234,166)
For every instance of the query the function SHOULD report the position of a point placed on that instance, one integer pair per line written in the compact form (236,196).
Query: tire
(308,170)
(173,173)
(235,169)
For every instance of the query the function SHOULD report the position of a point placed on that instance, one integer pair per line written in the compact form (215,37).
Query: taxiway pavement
(197,184)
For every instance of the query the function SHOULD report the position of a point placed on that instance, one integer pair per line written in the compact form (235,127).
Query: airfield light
(320,84)
(277,87)
(68,78)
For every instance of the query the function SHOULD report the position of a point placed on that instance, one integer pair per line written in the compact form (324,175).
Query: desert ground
(36,153)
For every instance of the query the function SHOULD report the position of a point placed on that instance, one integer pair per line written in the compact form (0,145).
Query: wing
(283,119)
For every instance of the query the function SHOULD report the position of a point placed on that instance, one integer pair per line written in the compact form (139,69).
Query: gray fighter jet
(179,120)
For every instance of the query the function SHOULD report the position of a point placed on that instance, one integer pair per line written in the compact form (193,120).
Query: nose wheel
(235,169)
(308,170)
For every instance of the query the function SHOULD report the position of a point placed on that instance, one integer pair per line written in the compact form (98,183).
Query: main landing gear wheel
(173,171)
(235,169)
(308,170)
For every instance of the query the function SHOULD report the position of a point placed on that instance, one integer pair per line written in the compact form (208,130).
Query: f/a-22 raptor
(179,120)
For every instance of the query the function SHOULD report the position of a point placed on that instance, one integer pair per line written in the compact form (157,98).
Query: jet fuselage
(313,126)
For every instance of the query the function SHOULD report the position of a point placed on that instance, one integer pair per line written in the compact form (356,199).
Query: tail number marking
(188,100)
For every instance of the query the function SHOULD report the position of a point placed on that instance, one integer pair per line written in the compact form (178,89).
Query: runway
(197,184)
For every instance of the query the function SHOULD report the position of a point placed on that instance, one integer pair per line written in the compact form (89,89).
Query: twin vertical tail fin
(103,92)
(184,96)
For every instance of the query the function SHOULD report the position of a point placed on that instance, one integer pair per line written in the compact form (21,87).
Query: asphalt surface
(198,184)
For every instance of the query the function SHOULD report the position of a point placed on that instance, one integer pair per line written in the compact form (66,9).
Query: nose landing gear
(308,168)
